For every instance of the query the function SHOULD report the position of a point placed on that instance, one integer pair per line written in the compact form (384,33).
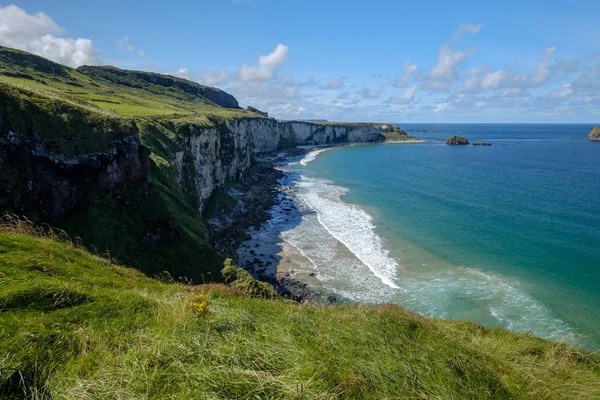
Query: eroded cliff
(128,160)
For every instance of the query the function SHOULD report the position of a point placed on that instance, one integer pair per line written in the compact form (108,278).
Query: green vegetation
(74,325)
(397,136)
(111,91)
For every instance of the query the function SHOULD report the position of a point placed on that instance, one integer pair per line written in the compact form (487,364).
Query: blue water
(506,235)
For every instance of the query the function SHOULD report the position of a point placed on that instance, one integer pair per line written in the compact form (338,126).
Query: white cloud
(404,98)
(466,28)
(183,73)
(540,76)
(39,34)
(440,107)
(563,93)
(335,84)
(445,72)
(267,67)
(493,80)
(408,70)
(215,77)
(446,68)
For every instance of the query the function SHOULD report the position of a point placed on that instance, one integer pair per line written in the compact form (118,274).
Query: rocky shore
(254,196)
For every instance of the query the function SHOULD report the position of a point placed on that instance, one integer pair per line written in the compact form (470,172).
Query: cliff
(127,160)
(594,134)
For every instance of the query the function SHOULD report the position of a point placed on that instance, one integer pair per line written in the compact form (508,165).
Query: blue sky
(461,61)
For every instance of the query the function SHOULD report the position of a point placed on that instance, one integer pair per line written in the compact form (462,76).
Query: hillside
(74,325)
(128,160)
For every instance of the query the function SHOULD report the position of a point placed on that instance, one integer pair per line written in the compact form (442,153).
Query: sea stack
(594,134)
(457,140)
(480,143)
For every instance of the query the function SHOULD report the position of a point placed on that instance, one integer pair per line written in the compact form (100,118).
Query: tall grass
(73,325)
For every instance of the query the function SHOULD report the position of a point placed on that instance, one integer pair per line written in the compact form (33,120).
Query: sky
(377,60)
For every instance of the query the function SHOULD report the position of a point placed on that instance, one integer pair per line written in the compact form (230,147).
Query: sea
(506,235)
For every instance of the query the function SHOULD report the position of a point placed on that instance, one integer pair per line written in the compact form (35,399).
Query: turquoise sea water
(507,235)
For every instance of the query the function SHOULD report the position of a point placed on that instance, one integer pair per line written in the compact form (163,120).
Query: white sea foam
(467,293)
(312,155)
(351,226)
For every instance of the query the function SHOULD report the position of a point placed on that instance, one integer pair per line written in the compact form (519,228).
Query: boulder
(457,140)
(594,134)
(480,143)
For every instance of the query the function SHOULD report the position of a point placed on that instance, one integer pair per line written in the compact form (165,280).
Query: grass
(114,92)
(73,325)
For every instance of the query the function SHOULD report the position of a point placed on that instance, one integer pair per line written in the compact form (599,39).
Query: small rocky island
(594,134)
(454,140)
(480,143)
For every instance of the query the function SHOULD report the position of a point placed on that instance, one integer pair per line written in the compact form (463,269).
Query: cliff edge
(127,160)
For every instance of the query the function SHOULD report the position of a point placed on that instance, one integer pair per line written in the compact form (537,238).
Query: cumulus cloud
(563,93)
(408,69)
(215,77)
(539,77)
(268,65)
(466,28)
(39,34)
(403,98)
(445,72)
(493,80)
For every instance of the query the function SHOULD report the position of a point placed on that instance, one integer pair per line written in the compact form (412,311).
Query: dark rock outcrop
(594,134)
(454,140)
(48,184)
(480,143)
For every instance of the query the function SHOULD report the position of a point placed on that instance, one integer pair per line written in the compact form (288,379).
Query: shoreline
(255,196)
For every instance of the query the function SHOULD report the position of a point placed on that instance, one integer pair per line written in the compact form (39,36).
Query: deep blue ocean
(506,235)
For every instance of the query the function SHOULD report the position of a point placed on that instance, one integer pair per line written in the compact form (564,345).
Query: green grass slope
(111,91)
(75,326)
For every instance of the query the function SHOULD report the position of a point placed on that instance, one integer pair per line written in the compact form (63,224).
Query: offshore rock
(594,134)
(457,140)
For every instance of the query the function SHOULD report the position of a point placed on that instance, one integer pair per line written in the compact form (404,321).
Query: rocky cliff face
(594,134)
(209,157)
(46,181)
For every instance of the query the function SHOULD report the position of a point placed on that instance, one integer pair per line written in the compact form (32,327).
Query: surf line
(384,279)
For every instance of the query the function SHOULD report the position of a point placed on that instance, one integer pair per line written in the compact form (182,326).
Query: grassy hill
(112,91)
(73,325)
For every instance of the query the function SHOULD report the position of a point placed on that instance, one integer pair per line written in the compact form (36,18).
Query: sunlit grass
(73,325)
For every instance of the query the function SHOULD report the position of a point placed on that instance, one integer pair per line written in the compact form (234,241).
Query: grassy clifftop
(74,325)
(112,91)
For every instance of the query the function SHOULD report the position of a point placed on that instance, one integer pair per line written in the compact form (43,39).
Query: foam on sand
(311,156)
(350,225)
